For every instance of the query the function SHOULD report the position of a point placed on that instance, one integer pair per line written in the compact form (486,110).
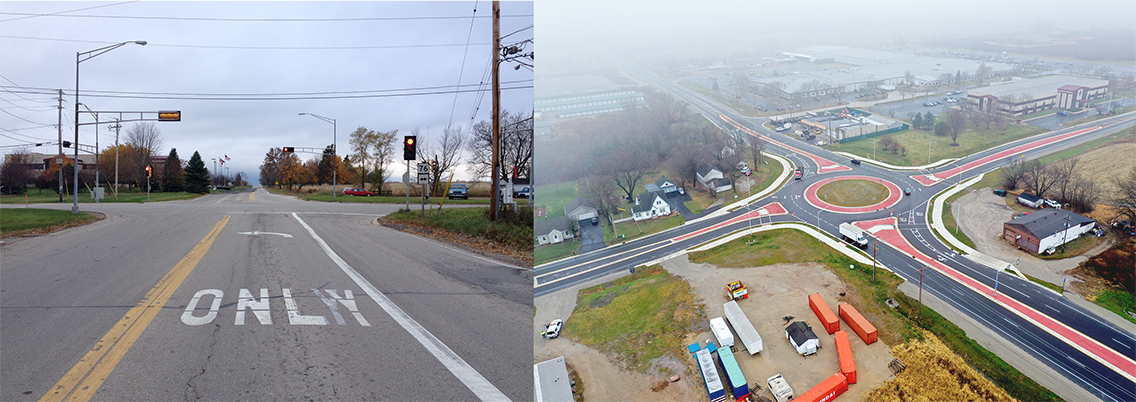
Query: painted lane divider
(457,366)
(82,380)
(260,308)
(258,233)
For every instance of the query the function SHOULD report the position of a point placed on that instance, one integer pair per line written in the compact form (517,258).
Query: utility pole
(116,126)
(59,161)
(493,206)
(875,248)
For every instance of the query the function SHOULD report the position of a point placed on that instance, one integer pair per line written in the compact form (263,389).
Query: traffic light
(148,172)
(169,115)
(434,166)
(67,144)
(408,145)
(288,149)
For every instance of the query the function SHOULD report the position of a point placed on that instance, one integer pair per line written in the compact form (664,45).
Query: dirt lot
(981,214)
(775,291)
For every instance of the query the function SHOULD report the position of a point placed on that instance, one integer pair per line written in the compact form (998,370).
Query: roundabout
(890,194)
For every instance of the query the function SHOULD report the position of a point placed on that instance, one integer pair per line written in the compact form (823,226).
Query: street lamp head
(301,114)
(140,42)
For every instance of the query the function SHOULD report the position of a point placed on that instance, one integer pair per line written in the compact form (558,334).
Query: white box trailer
(722,332)
(746,332)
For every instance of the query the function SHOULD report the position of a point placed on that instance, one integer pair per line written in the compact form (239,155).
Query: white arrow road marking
(465,373)
(258,233)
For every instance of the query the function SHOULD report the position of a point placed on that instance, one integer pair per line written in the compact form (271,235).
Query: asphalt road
(423,321)
(1076,365)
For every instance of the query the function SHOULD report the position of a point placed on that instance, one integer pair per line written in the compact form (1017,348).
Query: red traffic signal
(288,149)
(408,147)
(148,172)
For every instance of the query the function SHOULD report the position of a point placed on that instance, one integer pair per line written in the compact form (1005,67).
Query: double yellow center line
(81,382)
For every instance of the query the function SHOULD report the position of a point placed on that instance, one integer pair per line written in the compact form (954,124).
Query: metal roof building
(551,382)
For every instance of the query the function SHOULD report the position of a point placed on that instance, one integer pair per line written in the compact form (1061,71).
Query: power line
(465,55)
(61,12)
(382,93)
(260,19)
(519,30)
(21,118)
(256,47)
(95,91)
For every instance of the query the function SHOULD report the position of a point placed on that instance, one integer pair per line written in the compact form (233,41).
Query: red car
(357,191)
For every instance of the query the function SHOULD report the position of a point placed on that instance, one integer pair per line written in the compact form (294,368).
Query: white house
(664,185)
(580,208)
(1045,230)
(554,230)
(650,205)
(802,338)
(713,178)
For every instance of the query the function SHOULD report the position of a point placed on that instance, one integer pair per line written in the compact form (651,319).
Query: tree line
(142,142)
(375,155)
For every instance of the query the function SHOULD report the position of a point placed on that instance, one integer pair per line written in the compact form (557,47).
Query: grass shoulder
(511,235)
(922,146)
(553,252)
(35,221)
(632,230)
(85,198)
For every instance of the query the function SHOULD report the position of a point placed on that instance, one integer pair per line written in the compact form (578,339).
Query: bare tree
(447,154)
(1125,198)
(1066,171)
(1013,173)
(516,147)
(601,191)
(956,122)
(1083,194)
(1039,177)
(756,148)
(684,164)
(146,140)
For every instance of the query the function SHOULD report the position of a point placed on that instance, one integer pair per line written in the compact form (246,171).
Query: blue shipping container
(710,376)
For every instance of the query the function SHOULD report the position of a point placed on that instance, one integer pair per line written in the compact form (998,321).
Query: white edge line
(458,367)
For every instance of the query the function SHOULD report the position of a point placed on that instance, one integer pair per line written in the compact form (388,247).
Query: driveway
(591,236)
(677,202)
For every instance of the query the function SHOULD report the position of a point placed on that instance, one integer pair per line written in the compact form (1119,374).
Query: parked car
(357,192)
(746,171)
(524,192)
(552,330)
(855,161)
(822,143)
(1000,192)
(595,220)
(458,190)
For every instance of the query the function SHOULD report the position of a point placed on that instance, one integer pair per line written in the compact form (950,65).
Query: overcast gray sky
(384,48)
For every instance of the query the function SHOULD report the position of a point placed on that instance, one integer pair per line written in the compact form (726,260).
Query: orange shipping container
(857,322)
(824,313)
(826,391)
(844,354)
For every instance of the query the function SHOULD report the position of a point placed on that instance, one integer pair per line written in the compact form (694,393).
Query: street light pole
(79,58)
(929,143)
(334,152)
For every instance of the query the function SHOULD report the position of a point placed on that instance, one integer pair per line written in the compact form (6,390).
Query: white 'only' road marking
(457,366)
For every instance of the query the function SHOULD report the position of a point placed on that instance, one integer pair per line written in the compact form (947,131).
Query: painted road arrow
(258,233)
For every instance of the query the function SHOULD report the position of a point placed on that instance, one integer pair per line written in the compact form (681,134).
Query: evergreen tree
(173,177)
(196,176)
(929,121)
(917,121)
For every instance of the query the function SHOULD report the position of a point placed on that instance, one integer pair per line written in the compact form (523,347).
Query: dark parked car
(855,161)
(1000,192)
(595,220)
(458,190)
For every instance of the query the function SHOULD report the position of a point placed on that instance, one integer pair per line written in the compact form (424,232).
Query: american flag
(227,157)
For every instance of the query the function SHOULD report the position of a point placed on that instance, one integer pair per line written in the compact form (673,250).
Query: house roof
(721,182)
(1047,222)
(577,203)
(800,332)
(646,201)
(546,226)
(705,169)
(663,182)
(552,381)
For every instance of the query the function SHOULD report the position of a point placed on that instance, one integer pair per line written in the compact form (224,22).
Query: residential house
(1045,230)
(580,208)
(554,230)
(650,205)
(802,337)
(664,185)
(712,178)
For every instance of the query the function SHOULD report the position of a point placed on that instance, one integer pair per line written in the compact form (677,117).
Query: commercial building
(1045,230)
(567,97)
(1026,96)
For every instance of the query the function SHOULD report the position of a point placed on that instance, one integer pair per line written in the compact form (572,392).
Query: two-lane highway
(258,296)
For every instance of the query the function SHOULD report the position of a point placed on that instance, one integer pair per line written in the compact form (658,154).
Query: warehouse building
(1045,230)
(568,97)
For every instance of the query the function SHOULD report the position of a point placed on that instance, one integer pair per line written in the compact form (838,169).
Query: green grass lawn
(17,221)
(631,230)
(636,318)
(553,252)
(1055,288)
(853,193)
(34,197)
(1097,117)
(1118,301)
(918,142)
(474,222)
(949,220)
(895,325)
(555,196)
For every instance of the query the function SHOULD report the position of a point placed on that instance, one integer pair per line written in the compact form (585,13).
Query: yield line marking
(458,367)
(81,382)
